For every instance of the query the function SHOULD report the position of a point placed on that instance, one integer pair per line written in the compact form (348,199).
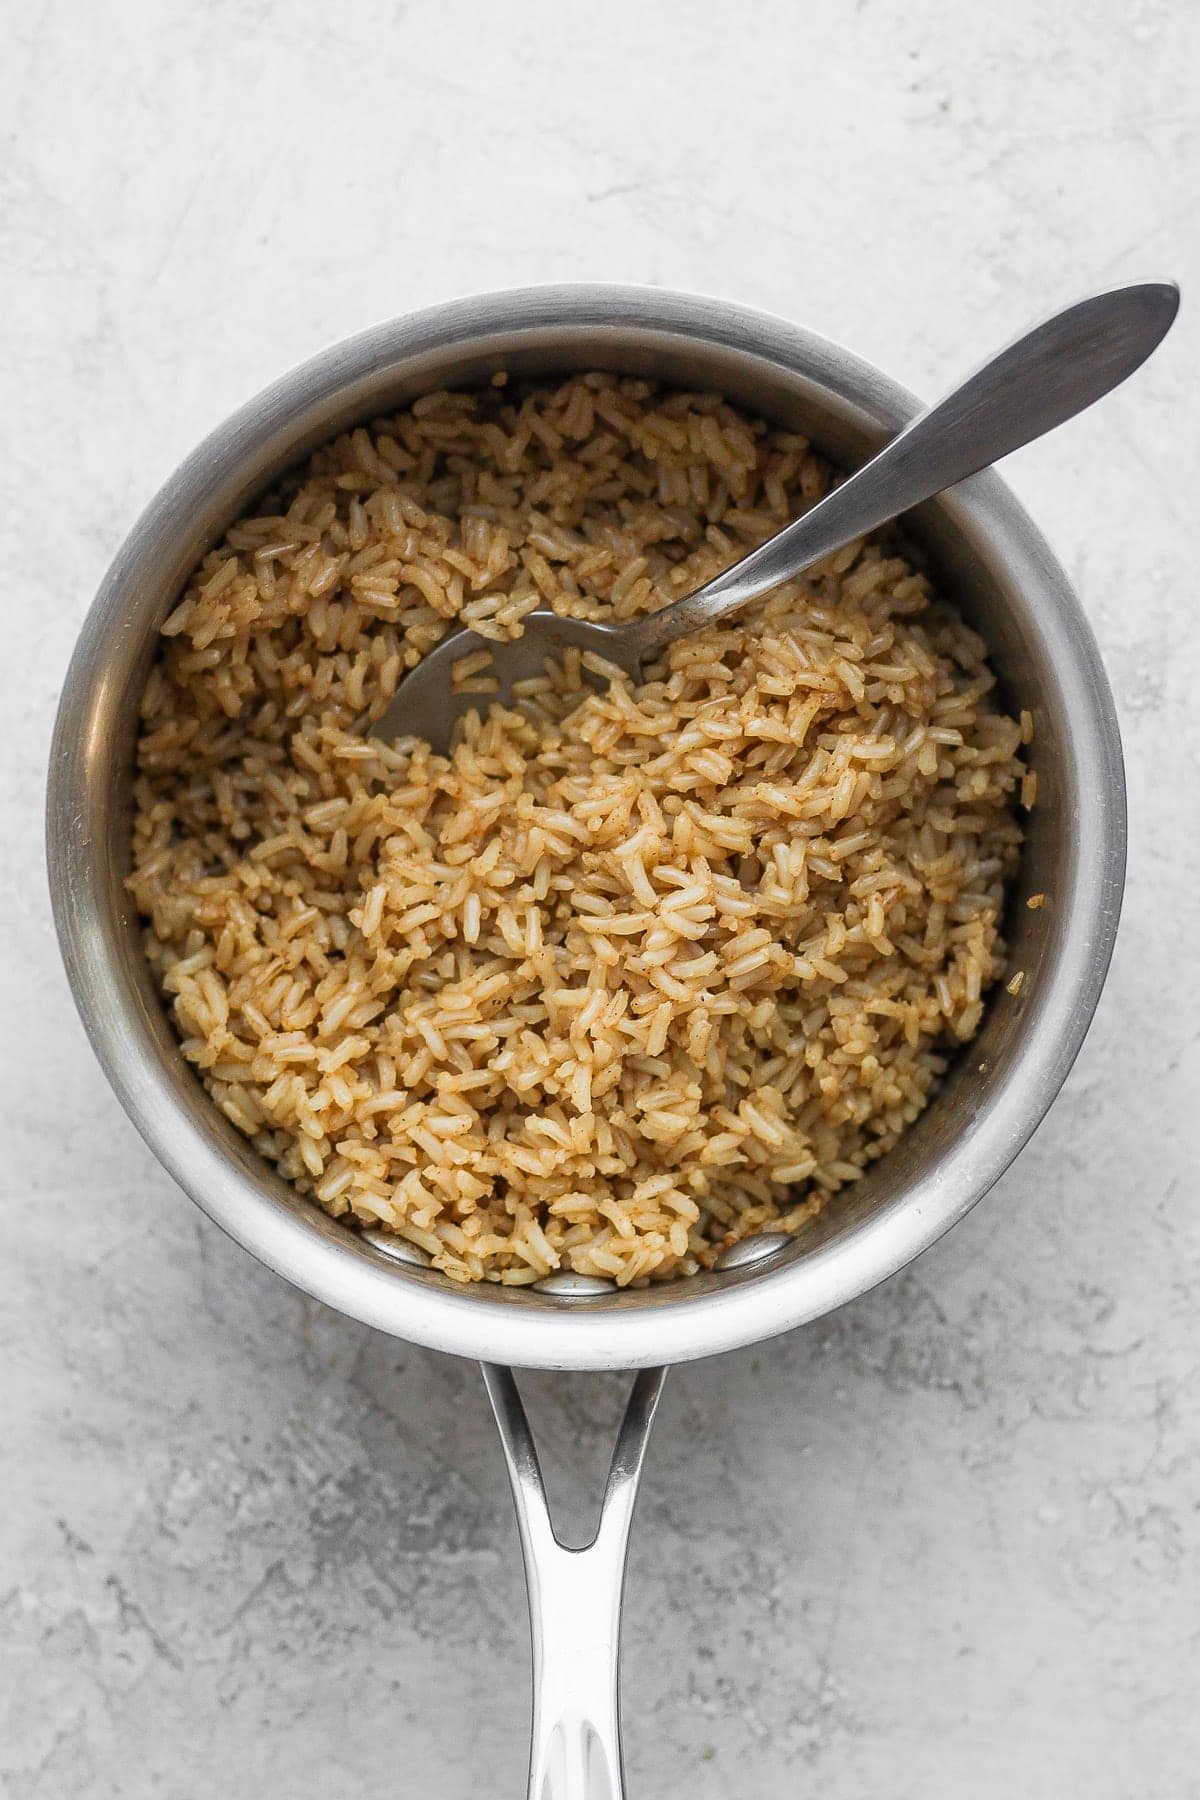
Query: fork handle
(1036,383)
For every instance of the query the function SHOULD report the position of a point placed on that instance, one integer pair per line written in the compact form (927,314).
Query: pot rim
(331,1263)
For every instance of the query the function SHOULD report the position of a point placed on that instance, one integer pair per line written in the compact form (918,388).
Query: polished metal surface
(566,1284)
(1039,381)
(749,1252)
(427,705)
(986,554)
(397,1249)
(574,1601)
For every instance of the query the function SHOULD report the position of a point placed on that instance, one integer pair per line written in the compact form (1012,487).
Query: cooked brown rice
(635,972)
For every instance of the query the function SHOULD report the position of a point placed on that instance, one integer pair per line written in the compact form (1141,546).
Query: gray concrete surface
(944,1544)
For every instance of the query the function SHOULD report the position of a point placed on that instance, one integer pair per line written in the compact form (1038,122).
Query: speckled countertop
(944,1544)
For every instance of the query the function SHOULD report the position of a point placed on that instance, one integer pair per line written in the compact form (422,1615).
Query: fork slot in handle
(574,1600)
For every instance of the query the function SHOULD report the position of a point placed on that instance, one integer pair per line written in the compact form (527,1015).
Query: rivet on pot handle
(574,1600)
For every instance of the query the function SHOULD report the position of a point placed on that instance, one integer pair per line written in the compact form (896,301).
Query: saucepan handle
(574,1601)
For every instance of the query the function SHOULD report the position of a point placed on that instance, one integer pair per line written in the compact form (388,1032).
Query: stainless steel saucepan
(989,558)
